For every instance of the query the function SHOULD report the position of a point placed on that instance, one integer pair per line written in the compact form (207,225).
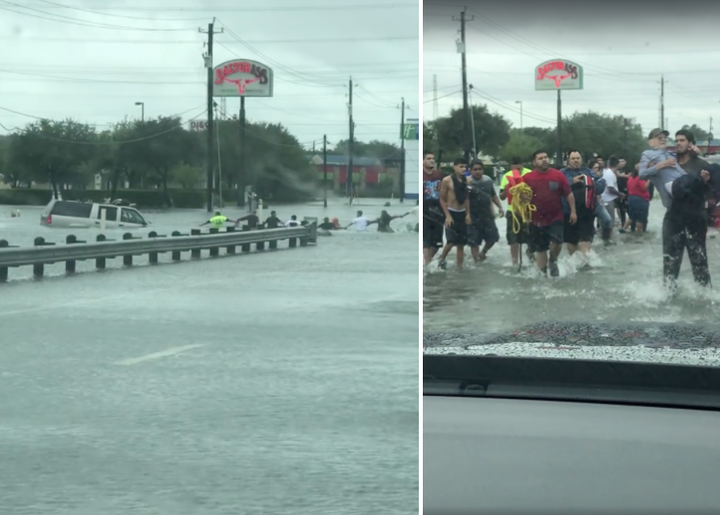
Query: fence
(74,250)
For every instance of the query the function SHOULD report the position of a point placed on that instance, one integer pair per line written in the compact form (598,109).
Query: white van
(72,213)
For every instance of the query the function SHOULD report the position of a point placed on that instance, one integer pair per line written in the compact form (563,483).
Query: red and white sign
(242,78)
(558,74)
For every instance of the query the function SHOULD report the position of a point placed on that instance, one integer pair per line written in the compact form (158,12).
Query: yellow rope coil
(522,207)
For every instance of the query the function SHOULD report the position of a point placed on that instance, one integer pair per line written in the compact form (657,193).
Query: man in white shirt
(361,222)
(611,192)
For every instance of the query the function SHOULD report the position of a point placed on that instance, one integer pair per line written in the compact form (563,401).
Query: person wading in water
(455,203)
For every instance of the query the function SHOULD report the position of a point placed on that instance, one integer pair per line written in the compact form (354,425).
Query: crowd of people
(548,208)
(360,222)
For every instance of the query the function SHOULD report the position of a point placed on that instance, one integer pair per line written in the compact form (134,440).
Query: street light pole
(521,119)
(142,112)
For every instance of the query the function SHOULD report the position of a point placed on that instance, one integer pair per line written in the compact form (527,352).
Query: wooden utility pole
(210,132)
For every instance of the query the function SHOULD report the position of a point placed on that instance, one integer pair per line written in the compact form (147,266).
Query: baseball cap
(656,132)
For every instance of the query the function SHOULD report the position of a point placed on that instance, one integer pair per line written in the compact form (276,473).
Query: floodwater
(624,285)
(269,383)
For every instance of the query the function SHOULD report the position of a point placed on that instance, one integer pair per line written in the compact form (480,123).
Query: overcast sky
(60,62)
(624,48)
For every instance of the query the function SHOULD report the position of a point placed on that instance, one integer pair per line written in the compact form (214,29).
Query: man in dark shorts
(455,203)
(586,186)
(549,186)
(482,197)
(432,214)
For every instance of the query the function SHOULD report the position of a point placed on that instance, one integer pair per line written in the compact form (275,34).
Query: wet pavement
(624,285)
(282,382)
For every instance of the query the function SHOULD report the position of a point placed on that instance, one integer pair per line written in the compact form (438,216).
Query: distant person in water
(273,222)
(252,219)
(383,222)
(293,222)
(327,225)
(361,222)
(219,220)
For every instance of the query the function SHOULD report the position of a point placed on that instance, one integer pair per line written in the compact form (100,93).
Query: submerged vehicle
(74,213)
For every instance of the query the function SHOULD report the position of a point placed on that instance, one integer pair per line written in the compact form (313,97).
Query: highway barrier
(74,250)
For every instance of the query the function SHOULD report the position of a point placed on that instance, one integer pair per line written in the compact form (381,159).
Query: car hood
(641,342)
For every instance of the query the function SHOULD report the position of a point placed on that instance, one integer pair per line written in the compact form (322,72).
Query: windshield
(572,201)
(205,347)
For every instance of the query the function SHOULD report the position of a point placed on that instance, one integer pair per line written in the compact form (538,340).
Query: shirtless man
(455,203)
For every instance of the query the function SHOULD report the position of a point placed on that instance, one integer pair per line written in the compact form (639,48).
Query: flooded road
(623,285)
(281,382)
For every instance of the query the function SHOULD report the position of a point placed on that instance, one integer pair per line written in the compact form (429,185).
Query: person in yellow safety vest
(219,220)
(510,179)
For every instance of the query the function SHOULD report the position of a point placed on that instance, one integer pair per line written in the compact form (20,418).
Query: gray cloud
(624,48)
(77,63)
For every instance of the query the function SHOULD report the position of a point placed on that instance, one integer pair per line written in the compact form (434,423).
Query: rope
(522,207)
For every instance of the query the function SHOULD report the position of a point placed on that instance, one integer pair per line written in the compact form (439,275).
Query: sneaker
(442,265)
(554,271)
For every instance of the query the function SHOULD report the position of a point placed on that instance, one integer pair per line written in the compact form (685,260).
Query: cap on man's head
(656,132)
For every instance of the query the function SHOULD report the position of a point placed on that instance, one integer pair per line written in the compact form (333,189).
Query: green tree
(546,136)
(492,131)
(429,137)
(603,134)
(54,152)
(520,145)
(274,161)
(699,133)
(159,146)
(382,150)
(188,176)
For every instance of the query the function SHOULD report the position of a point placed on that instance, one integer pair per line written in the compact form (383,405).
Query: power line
(227,42)
(78,21)
(373,68)
(63,6)
(290,7)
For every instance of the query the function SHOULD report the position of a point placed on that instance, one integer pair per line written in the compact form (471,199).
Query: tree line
(157,153)
(589,132)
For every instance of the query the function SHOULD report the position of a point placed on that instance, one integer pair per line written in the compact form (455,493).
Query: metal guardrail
(45,253)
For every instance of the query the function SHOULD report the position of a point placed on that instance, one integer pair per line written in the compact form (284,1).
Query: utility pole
(474,152)
(350,187)
(324,168)
(521,118)
(710,136)
(435,99)
(210,132)
(466,118)
(662,102)
(402,151)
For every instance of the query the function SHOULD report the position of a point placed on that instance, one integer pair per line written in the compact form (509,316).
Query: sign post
(558,74)
(243,78)
(411,158)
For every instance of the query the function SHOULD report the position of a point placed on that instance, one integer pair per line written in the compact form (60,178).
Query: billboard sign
(412,129)
(197,125)
(558,74)
(413,167)
(242,78)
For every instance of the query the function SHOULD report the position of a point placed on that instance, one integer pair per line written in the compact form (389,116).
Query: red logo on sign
(570,69)
(260,73)
(241,83)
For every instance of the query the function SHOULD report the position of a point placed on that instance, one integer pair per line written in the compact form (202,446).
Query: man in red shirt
(549,186)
